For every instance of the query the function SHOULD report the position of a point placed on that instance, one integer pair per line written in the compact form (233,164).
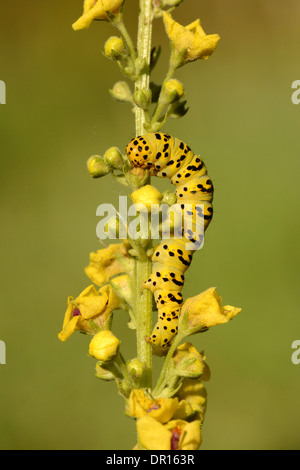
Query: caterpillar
(168,157)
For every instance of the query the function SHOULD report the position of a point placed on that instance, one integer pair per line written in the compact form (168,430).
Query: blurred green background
(242,121)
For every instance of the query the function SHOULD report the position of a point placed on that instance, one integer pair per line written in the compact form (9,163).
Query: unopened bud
(121,92)
(173,90)
(142,98)
(113,158)
(137,177)
(114,48)
(169,198)
(146,197)
(136,368)
(97,167)
(104,346)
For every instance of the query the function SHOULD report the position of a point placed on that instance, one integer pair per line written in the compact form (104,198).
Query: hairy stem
(144,54)
(143,265)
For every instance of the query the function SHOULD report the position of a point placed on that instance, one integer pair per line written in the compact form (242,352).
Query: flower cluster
(170,415)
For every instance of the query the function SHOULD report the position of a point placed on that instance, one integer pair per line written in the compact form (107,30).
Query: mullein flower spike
(96,10)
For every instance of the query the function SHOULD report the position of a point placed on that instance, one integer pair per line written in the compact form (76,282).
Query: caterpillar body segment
(168,157)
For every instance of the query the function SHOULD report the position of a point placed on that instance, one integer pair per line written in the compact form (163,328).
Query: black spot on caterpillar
(166,156)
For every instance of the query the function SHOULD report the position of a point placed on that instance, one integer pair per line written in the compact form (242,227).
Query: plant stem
(143,264)
(144,54)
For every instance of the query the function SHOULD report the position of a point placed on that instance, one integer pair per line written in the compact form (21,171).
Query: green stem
(160,382)
(143,264)
(175,61)
(144,54)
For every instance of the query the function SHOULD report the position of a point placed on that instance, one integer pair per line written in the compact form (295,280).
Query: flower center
(153,406)
(76,312)
(175,438)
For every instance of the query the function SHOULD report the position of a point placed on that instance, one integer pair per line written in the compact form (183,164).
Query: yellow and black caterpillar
(166,156)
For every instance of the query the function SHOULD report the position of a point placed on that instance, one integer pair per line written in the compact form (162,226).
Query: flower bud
(169,198)
(104,346)
(142,98)
(113,158)
(137,177)
(188,362)
(146,197)
(97,167)
(121,92)
(136,368)
(114,48)
(173,90)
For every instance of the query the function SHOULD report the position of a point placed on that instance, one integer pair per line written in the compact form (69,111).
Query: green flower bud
(113,158)
(173,90)
(114,48)
(142,98)
(136,368)
(97,167)
(121,92)
(169,198)
(137,177)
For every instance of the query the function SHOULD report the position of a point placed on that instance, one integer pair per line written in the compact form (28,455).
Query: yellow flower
(104,346)
(89,306)
(198,45)
(105,263)
(205,310)
(96,10)
(161,409)
(175,435)
(146,196)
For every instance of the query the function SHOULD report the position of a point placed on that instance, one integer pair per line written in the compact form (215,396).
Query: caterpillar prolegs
(166,156)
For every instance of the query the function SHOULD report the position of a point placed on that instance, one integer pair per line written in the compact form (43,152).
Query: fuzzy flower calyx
(96,10)
(188,362)
(191,38)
